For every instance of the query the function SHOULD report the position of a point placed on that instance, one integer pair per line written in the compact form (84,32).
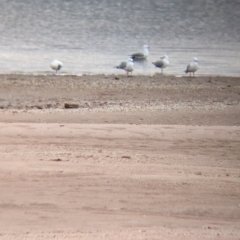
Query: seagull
(192,67)
(129,67)
(126,65)
(162,63)
(123,64)
(56,65)
(141,55)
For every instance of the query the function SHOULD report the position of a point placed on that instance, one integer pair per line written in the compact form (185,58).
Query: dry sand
(140,158)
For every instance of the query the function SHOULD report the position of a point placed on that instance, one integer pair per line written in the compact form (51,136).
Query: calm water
(94,36)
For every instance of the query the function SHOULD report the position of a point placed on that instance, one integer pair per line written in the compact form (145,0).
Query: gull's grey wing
(188,68)
(122,65)
(158,64)
(136,56)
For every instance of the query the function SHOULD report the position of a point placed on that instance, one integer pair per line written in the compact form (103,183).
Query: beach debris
(56,160)
(71,105)
(126,156)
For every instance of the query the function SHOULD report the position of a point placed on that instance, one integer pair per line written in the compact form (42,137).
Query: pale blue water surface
(92,37)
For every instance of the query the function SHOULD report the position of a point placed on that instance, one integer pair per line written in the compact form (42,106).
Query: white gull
(192,67)
(56,65)
(162,63)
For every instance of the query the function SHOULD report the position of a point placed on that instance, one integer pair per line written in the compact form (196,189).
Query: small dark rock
(56,160)
(38,107)
(49,105)
(71,105)
(129,157)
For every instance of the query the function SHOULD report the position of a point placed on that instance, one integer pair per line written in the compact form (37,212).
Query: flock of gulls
(128,65)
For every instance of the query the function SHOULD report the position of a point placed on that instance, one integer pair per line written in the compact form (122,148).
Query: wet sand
(139,158)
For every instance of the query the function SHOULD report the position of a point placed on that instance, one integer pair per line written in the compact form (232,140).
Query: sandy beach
(116,157)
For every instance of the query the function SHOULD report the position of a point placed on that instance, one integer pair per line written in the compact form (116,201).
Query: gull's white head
(146,46)
(195,59)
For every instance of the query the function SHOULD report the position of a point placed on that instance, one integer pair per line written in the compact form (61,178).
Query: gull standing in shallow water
(192,67)
(56,65)
(162,63)
(141,55)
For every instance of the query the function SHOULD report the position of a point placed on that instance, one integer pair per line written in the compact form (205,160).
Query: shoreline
(160,99)
(121,73)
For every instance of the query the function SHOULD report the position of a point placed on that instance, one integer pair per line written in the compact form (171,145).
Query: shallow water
(94,36)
